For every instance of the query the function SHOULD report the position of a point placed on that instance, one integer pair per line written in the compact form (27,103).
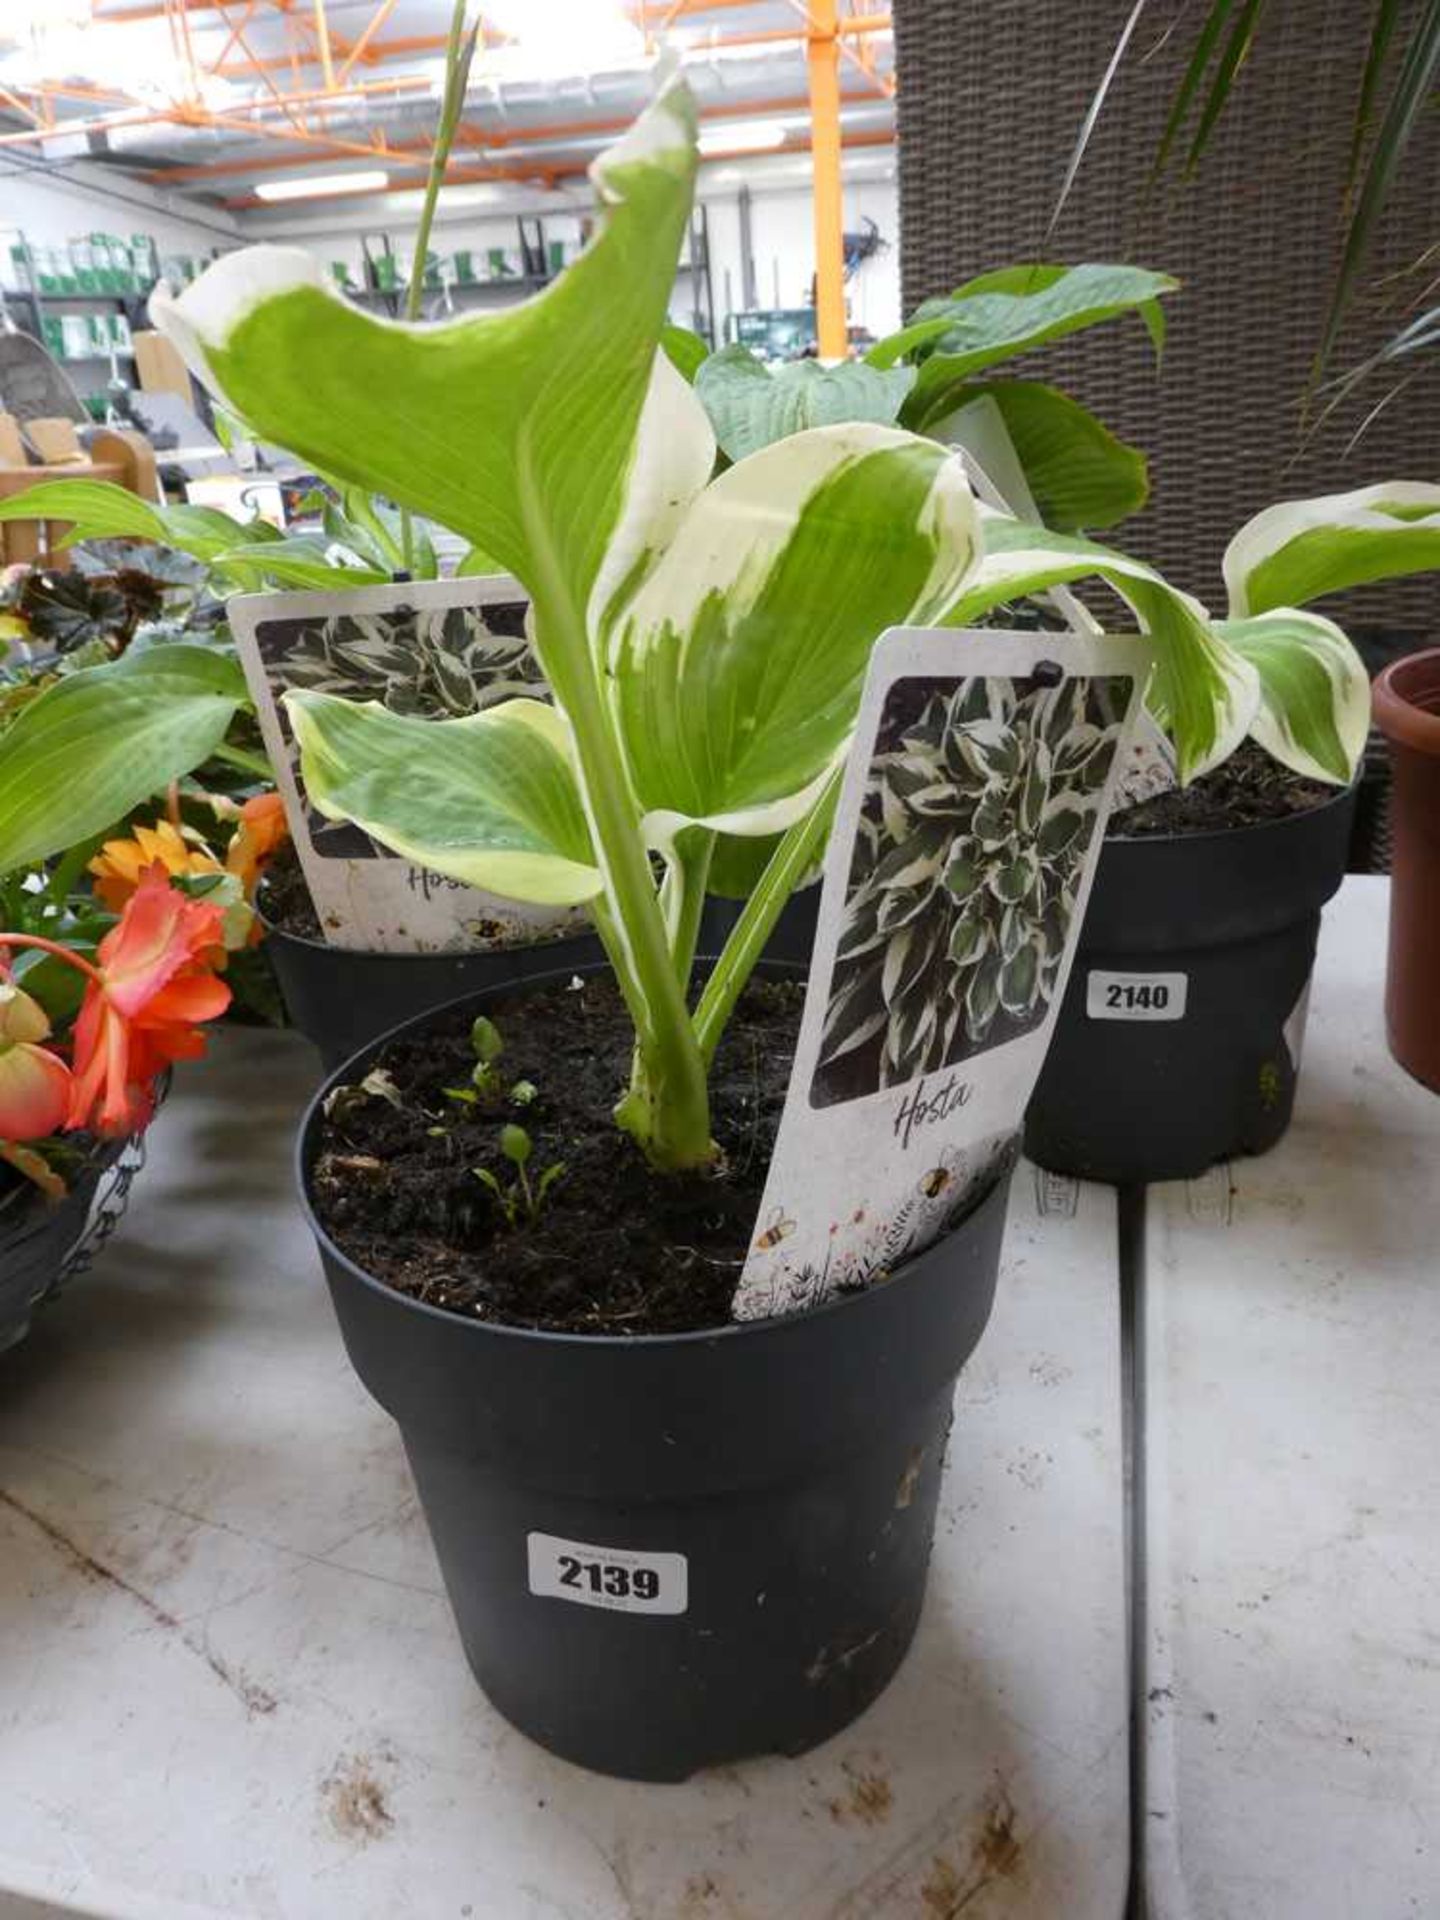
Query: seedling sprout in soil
(520,1201)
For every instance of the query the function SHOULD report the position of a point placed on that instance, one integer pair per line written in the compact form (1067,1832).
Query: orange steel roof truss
(299,112)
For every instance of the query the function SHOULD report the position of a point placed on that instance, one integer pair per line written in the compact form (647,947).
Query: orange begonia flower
(119,864)
(34,1083)
(261,830)
(153,982)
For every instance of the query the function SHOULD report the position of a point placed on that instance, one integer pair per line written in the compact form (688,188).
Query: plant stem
(667,1109)
(244,761)
(459,52)
(683,897)
(787,866)
(52,947)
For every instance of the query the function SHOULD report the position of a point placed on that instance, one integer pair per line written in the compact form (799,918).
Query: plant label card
(436,649)
(966,835)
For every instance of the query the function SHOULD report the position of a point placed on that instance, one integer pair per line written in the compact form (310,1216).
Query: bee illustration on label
(779,1227)
(932,1184)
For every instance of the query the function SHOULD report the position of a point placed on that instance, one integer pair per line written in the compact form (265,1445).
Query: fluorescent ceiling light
(744,136)
(316,186)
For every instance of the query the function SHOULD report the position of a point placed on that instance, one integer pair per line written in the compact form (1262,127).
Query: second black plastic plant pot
(340,997)
(670,1552)
(1178,1041)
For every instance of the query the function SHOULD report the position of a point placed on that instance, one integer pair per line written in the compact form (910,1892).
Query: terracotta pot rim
(1399,691)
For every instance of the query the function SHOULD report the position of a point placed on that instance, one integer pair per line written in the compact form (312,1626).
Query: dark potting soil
(284,898)
(616,1248)
(1247,791)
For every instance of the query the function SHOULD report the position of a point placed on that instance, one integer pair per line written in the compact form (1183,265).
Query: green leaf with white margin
(735,672)
(1314,711)
(1080,474)
(519,429)
(102,511)
(1009,312)
(490,799)
(1203,691)
(751,406)
(1299,549)
(131,726)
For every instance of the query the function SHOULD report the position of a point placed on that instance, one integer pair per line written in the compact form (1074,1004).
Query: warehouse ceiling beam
(361,49)
(552,173)
(472,136)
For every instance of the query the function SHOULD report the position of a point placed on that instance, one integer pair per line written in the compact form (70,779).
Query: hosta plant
(965,875)
(928,374)
(705,639)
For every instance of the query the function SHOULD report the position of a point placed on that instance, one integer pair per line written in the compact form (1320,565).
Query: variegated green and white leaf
(1297,550)
(735,672)
(490,800)
(519,429)
(1314,710)
(1201,689)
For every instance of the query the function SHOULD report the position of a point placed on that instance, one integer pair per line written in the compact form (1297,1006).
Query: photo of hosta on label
(425,662)
(981,802)
(445,652)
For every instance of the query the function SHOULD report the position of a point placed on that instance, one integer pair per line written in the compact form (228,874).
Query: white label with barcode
(1135,996)
(620,1578)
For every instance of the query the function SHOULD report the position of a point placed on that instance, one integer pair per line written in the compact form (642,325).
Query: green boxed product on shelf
(340,273)
(464,267)
(52,331)
(144,261)
(387,275)
(83,268)
(557,255)
(498,268)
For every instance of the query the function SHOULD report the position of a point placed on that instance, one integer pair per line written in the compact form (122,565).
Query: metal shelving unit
(695,269)
(441,294)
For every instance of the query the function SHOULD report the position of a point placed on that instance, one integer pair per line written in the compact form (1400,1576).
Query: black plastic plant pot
(1178,1041)
(665,1553)
(340,997)
(792,940)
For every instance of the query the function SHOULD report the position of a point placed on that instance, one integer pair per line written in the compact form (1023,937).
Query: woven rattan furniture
(991,96)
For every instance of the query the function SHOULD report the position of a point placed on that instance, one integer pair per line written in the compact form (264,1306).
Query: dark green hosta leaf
(752,405)
(1012,880)
(982,996)
(1015,309)
(1060,830)
(969,936)
(1080,475)
(1020,980)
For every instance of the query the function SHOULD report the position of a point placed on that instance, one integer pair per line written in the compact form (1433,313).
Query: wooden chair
(54,452)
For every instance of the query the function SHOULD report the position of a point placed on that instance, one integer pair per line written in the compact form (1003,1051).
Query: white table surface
(1293,1462)
(229,1681)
